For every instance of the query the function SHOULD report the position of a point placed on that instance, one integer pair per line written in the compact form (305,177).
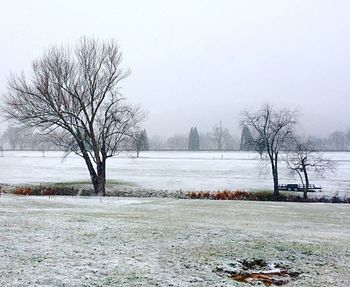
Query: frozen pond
(168,170)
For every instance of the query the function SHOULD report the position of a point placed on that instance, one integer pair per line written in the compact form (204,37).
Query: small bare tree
(73,96)
(220,135)
(273,130)
(304,156)
(139,141)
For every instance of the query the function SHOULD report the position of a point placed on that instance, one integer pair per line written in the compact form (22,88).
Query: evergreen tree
(246,139)
(193,139)
(144,140)
(190,140)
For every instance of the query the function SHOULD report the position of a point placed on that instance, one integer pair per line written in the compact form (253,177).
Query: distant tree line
(219,138)
(336,141)
(25,138)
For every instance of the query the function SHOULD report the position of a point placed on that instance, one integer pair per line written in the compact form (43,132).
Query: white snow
(168,170)
(72,241)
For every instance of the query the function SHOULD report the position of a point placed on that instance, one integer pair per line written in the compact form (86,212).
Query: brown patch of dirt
(253,271)
(267,278)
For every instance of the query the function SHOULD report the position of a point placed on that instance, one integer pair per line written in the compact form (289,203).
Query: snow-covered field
(66,241)
(168,170)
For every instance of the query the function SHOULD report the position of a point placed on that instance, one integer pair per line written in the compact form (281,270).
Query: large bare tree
(272,133)
(73,95)
(303,157)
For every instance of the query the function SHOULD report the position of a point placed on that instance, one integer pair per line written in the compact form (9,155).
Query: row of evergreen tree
(26,139)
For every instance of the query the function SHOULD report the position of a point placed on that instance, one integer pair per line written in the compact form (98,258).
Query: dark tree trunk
(91,169)
(275,183)
(274,176)
(306,187)
(98,179)
(100,188)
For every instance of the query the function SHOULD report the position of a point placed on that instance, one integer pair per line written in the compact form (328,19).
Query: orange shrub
(23,191)
(223,195)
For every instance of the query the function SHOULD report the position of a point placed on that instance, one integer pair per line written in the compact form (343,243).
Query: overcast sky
(198,62)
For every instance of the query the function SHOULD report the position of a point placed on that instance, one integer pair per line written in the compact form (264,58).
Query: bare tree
(139,141)
(273,131)
(304,157)
(73,95)
(17,136)
(220,135)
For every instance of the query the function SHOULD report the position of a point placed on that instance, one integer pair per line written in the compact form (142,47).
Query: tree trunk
(100,188)
(98,178)
(137,153)
(274,176)
(306,187)
(93,175)
(276,191)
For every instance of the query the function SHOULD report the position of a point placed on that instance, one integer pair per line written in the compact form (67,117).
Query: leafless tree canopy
(304,156)
(272,133)
(220,135)
(73,95)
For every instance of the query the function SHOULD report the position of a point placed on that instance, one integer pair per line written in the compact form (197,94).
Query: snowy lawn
(169,170)
(65,241)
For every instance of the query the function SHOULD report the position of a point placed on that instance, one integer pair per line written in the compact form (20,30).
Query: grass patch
(109,183)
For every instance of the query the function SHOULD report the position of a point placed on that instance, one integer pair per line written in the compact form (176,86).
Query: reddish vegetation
(30,191)
(48,190)
(23,191)
(223,195)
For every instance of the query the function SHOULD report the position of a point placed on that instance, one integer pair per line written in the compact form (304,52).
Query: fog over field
(197,62)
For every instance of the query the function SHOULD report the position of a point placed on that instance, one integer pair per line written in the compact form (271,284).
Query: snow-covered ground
(75,241)
(168,170)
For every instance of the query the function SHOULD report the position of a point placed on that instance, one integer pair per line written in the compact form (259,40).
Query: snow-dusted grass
(74,241)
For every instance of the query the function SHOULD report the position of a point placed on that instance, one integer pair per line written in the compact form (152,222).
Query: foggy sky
(197,62)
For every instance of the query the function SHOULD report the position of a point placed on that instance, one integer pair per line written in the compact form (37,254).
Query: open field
(168,170)
(75,241)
